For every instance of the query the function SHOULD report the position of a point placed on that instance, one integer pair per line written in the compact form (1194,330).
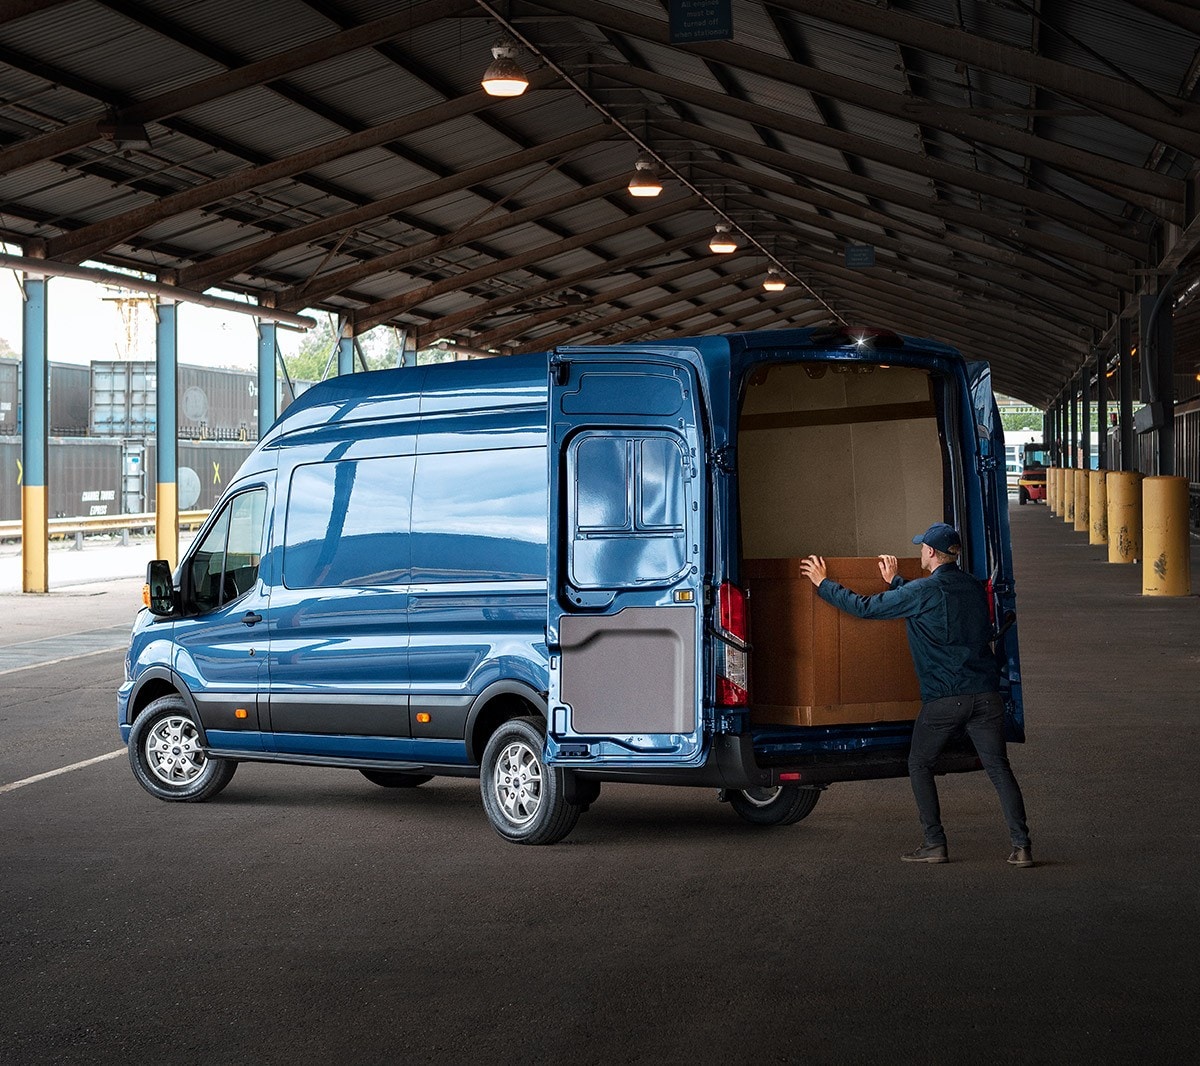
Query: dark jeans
(981,716)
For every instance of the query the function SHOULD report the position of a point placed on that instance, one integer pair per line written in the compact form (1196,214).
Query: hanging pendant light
(505,77)
(723,242)
(645,178)
(774,281)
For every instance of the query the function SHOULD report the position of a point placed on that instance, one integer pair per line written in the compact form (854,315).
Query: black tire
(782,805)
(1023,496)
(524,799)
(165,753)
(395,779)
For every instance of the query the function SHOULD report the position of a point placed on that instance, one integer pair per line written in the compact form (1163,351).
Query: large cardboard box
(812,664)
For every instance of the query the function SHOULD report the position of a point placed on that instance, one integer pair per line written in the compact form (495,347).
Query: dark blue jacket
(948,628)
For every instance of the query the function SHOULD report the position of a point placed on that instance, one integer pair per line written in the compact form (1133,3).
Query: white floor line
(65,658)
(60,770)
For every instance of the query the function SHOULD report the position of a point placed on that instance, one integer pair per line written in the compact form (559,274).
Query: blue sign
(860,255)
(701,20)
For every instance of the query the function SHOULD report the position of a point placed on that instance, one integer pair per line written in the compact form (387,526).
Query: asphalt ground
(306,915)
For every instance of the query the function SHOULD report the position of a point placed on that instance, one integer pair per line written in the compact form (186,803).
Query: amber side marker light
(423,718)
(146,595)
(241,712)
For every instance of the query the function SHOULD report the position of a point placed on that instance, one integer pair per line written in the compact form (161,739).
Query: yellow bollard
(1124,489)
(1166,560)
(1081,501)
(1052,489)
(1097,508)
(1068,488)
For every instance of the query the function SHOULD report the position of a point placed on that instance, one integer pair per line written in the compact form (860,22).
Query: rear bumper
(732,763)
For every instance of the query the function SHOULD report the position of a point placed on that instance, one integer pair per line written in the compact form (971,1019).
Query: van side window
(480,515)
(225,564)
(347,524)
(627,509)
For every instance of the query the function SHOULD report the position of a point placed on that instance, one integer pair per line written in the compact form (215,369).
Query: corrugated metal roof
(1081,186)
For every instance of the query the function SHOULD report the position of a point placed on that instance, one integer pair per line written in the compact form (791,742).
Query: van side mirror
(162,589)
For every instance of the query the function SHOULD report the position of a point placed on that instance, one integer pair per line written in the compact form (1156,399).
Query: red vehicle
(1032,483)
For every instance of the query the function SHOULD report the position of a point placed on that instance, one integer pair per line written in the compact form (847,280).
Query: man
(949,634)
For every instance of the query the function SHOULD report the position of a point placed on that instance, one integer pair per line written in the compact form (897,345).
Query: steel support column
(166,433)
(1157,345)
(1102,461)
(35,533)
(266,377)
(1085,418)
(1125,391)
(1073,400)
(345,347)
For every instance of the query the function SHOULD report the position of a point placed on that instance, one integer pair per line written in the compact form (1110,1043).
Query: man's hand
(813,568)
(887,567)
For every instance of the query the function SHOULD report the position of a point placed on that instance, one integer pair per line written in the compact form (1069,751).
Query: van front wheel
(524,798)
(166,756)
(781,805)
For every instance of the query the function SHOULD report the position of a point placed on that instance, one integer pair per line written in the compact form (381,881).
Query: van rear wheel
(395,779)
(166,756)
(525,799)
(781,805)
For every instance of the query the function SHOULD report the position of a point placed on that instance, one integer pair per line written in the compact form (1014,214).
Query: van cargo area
(844,461)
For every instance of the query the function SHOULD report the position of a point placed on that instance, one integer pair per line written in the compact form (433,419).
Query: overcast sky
(84,326)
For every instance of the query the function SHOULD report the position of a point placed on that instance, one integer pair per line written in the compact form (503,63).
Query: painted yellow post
(1124,488)
(1097,508)
(1081,501)
(166,523)
(1068,486)
(1166,559)
(1051,488)
(35,558)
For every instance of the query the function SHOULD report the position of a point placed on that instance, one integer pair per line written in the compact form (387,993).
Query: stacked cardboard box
(812,664)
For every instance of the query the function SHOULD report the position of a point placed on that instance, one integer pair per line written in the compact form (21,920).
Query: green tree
(309,362)
(1014,420)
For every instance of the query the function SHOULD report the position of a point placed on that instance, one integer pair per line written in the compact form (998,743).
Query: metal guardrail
(117,523)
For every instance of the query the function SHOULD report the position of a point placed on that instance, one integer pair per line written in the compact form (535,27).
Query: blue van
(531,570)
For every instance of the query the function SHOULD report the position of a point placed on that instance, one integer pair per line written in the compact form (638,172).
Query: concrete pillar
(166,434)
(35,529)
(1166,550)
(1124,489)
(1081,523)
(1068,507)
(1051,488)
(1097,508)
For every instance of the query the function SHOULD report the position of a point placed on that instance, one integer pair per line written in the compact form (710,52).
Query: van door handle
(250,617)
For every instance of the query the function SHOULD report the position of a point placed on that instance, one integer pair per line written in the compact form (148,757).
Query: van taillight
(733,653)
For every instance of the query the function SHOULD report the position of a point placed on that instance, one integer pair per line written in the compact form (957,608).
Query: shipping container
(10,473)
(204,468)
(84,477)
(70,391)
(213,403)
(10,395)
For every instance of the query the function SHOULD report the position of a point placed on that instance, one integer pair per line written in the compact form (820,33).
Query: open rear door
(994,483)
(626,572)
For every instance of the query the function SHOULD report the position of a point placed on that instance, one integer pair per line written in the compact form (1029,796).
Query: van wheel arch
(155,683)
(494,706)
